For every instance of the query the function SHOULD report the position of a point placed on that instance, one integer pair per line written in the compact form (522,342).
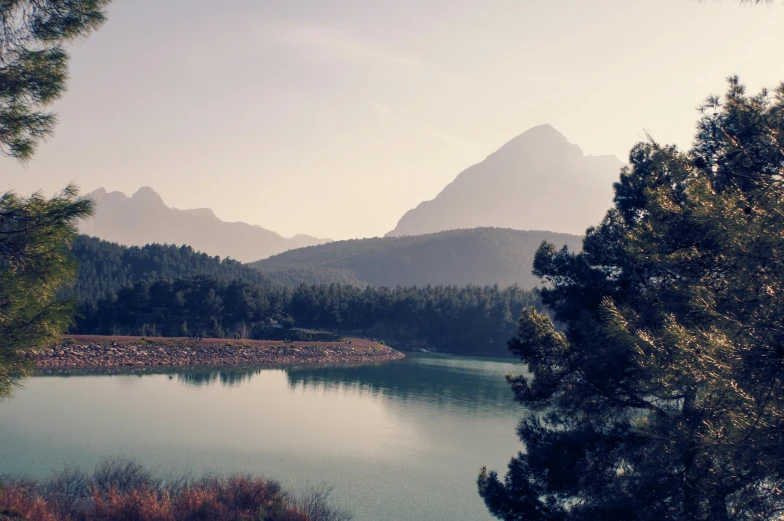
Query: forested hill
(481,256)
(174,290)
(106,266)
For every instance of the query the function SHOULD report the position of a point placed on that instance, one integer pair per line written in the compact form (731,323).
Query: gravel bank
(79,352)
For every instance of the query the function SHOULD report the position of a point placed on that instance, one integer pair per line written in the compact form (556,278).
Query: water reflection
(467,385)
(228,377)
(400,441)
(232,376)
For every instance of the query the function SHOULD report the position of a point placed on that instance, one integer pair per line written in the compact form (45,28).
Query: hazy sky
(334,118)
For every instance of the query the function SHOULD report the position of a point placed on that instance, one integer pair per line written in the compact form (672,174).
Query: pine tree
(34,264)
(35,232)
(661,397)
(33,65)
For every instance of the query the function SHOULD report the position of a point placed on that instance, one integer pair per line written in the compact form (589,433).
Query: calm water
(398,441)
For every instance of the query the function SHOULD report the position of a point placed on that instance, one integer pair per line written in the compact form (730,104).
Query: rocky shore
(81,352)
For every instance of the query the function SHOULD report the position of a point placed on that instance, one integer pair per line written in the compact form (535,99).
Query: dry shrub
(122,475)
(237,498)
(122,490)
(245,495)
(144,504)
(196,503)
(68,493)
(316,506)
(22,503)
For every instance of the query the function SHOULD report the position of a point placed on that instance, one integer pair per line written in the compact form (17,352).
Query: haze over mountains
(537,181)
(483,228)
(144,218)
(480,256)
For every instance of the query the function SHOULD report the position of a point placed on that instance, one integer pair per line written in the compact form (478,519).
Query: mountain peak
(541,139)
(536,181)
(148,195)
(96,194)
(544,130)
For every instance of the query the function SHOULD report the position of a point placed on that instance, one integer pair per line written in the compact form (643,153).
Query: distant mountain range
(471,233)
(537,181)
(481,256)
(144,218)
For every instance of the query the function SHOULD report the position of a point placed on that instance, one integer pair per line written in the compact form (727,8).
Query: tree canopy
(35,232)
(661,395)
(35,262)
(105,267)
(466,320)
(34,65)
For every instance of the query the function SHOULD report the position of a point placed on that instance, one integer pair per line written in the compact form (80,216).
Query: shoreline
(112,352)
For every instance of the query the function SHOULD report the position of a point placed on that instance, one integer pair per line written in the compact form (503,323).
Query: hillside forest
(162,290)
(466,320)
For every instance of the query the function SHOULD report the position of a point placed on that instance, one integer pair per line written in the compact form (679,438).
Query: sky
(335,118)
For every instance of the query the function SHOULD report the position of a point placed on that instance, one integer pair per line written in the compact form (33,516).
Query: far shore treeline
(161,290)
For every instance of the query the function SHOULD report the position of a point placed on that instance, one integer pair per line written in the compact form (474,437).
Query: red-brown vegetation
(121,490)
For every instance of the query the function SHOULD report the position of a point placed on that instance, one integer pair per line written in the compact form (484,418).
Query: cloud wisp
(447,139)
(328,43)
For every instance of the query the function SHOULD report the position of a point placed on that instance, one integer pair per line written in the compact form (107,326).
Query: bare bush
(122,489)
(315,504)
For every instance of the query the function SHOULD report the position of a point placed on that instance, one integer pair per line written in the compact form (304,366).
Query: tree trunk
(718,509)
(691,495)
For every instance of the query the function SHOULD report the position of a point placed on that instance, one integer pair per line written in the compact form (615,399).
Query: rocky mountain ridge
(536,181)
(144,218)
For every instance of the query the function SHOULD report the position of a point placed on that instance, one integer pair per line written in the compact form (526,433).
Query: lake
(401,440)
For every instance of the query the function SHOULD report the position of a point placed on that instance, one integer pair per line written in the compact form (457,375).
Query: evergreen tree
(663,396)
(35,232)
(34,264)
(466,320)
(105,267)
(33,65)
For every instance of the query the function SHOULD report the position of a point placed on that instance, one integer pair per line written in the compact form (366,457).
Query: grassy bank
(121,489)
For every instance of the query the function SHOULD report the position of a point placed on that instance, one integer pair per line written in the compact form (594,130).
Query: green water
(397,441)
